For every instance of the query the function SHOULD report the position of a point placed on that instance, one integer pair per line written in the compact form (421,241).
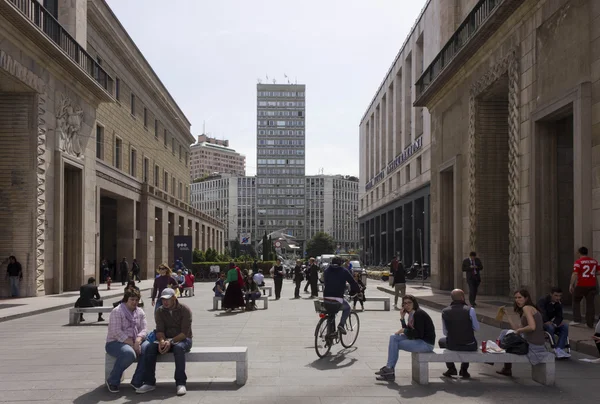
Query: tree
(210,255)
(320,244)
(198,256)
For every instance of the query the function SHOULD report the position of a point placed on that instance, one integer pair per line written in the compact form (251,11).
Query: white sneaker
(181,390)
(574,323)
(145,388)
(561,354)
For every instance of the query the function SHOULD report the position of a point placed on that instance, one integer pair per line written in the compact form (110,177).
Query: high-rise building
(231,200)
(280,178)
(332,207)
(210,156)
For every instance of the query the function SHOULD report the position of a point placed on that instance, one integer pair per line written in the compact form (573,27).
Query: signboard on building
(399,160)
(245,239)
(182,246)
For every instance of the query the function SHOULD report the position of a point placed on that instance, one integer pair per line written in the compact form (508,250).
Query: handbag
(514,344)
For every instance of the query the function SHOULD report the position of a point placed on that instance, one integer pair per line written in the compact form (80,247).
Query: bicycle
(326,332)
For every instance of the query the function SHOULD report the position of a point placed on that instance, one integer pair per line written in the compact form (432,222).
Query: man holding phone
(173,334)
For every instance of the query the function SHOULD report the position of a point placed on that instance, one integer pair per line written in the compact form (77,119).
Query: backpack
(514,344)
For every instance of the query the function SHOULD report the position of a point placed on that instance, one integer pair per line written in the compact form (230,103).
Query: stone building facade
(83,121)
(514,98)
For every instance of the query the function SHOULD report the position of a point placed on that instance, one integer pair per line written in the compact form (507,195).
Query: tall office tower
(280,159)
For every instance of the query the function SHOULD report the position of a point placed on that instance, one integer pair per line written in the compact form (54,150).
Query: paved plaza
(45,360)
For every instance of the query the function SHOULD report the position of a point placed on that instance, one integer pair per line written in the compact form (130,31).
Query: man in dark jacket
(89,297)
(123,270)
(14,272)
(135,271)
(314,278)
(298,278)
(472,266)
(552,314)
(336,277)
(459,324)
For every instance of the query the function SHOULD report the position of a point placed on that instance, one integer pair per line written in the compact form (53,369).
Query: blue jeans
(401,342)
(562,332)
(346,309)
(14,286)
(179,349)
(125,357)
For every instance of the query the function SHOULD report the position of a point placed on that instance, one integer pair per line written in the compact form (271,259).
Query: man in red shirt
(583,284)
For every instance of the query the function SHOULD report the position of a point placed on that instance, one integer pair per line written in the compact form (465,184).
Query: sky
(210,54)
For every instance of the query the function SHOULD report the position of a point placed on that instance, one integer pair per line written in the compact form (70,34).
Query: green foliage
(320,244)
(210,255)
(197,256)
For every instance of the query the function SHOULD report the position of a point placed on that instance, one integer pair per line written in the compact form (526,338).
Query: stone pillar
(125,230)
(72,15)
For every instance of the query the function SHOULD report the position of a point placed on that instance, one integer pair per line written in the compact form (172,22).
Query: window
(145,117)
(118,151)
(52,7)
(407,173)
(180,152)
(133,162)
(118,89)
(173,185)
(166,182)
(180,190)
(165,134)
(99,142)
(173,145)
(156,128)
(133,104)
(145,170)
(187,158)
(419,166)
(156,176)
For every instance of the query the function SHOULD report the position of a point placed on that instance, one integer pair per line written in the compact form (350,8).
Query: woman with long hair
(531,328)
(234,297)
(161,282)
(416,335)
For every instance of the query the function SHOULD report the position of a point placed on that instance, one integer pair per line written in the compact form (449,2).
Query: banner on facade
(245,239)
(182,246)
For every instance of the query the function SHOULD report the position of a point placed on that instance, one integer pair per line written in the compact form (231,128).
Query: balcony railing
(465,32)
(45,21)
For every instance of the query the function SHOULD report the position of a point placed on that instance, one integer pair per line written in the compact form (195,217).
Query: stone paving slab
(55,363)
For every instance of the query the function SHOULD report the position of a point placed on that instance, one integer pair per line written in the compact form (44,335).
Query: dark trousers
(297,290)
(470,348)
(307,285)
(314,290)
(123,276)
(179,349)
(589,293)
(473,282)
(134,276)
(278,286)
(598,342)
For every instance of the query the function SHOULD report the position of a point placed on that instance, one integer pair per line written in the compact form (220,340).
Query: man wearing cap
(173,334)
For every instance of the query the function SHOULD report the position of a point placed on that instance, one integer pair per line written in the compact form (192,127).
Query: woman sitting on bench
(416,335)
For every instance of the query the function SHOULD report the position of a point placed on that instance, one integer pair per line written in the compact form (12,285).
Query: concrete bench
(385,300)
(266,288)
(217,299)
(188,292)
(76,311)
(542,373)
(239,355)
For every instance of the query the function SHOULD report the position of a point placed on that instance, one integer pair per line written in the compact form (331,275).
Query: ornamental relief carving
(68,124)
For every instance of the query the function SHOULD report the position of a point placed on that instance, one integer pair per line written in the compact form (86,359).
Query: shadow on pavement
(331,362)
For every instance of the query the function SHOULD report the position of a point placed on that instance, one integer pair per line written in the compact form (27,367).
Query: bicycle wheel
(322,345)
(352,329)
(212,276)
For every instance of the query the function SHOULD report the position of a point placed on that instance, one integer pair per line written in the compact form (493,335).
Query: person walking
(14,273)
(123,270)
(104,270)
(394,266)
(314,278)
(298,278)
(278,274)
(135,271)
(583,285)
(472,266)
(360,296)
(399,283)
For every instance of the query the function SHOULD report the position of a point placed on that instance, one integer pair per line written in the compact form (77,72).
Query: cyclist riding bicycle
(336,277)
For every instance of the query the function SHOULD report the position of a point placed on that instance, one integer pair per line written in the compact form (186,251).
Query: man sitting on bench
(459,324)
(89,297)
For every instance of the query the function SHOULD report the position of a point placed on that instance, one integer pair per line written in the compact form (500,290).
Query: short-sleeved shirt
(585,268)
